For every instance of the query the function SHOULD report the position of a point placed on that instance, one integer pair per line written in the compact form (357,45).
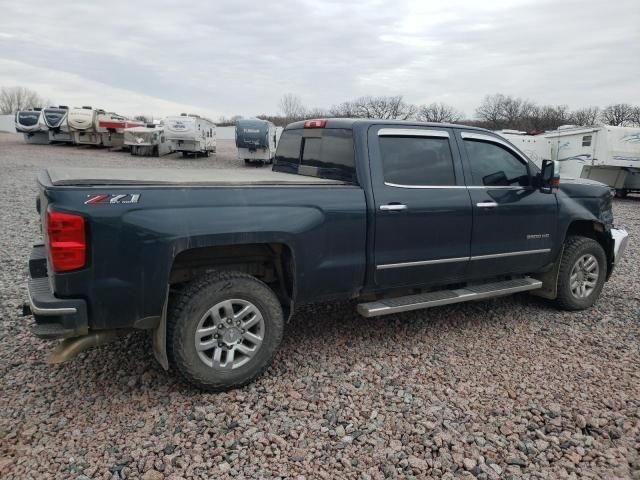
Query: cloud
(240,56)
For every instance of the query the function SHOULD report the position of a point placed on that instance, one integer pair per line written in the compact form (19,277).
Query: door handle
(393,207)
(487,204)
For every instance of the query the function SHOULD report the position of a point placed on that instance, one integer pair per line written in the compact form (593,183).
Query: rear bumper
(55,317)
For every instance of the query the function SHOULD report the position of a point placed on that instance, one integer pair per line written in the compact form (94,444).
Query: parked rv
(256,141)
(149,141)
(55,120)
(83,125)
(191,134)
(28,122)
(112,126)
(610,155)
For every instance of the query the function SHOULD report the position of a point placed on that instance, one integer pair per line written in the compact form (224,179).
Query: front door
(422,207)
(514,223)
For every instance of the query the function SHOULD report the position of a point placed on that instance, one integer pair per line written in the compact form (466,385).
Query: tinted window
(586,141)
(326,153)
(493,165)
(417,160)
(288,151)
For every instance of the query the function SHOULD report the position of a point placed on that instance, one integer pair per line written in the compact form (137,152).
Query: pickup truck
(397,216)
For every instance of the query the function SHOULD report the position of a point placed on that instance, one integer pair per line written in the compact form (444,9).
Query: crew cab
(398,215)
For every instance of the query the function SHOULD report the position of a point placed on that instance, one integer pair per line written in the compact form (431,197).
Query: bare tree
(144,118)
(439,113)
(587,116)
(291,107)
(491,109)
(13,99)
(617,115)
(385,108)
(635,116)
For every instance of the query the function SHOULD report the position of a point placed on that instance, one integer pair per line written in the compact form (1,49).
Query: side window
(586,141)
(324,153)
(419,161)
(493,165)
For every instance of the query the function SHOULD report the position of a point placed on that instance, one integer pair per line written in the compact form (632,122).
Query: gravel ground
(509,388)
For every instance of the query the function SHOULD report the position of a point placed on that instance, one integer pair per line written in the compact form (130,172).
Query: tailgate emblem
(111,199)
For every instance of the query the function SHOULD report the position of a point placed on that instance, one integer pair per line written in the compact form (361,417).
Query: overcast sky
(228,57)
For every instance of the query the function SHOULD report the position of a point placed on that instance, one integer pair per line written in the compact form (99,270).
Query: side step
(446,297)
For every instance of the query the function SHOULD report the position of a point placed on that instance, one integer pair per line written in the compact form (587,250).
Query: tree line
(495,112)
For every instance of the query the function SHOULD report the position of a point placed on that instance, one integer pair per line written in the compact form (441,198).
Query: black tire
(247,161)
(577,248)
(188,308)
(621,193)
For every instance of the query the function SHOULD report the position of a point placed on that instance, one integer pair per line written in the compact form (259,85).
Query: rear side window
(417,161)
(493,165)
(324,153)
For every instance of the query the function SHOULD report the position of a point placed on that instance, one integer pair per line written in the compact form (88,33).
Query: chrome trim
(48,312)
(486,204)
(394,207)
(620,241)
(398,185)
(497,187)
(387,266)
(510,254)
(412,132)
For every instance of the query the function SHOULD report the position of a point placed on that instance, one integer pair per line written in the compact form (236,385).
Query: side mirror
(549,176)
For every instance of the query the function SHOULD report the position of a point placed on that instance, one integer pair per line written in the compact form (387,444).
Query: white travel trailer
(149,141)
(83,125)
(191,134)
(28,122)
(112,126)
(55,119)
(256,141)
(610,155)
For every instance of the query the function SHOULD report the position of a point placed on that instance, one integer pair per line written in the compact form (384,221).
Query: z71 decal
(111,199)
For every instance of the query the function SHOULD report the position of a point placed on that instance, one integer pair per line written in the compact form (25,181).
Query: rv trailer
(28,122)
(607,154)
(191,134)
(112,126)
(149,141)
(83,125)
(256,141)
(55,119)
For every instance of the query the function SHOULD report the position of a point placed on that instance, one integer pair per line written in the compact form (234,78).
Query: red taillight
(316,123)
(67,241)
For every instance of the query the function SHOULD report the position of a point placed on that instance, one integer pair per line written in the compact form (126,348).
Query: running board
(446,297)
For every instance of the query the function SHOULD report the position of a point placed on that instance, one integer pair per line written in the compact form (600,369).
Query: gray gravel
(509,388)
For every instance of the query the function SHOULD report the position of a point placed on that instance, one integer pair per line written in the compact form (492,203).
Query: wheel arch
(272,262)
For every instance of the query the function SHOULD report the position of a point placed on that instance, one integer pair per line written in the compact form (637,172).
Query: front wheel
(223,330)
(582,273)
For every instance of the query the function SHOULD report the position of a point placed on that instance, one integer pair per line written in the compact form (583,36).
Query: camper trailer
(256,141)
(83,125)
(55,120)
(191,134)
(28,122)
(112,126)
(610,155)
(149,141)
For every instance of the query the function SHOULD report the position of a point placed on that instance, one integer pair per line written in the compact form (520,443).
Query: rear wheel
(223,330)
(582,273)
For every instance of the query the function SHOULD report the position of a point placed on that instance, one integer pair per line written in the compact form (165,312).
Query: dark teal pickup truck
(398,215)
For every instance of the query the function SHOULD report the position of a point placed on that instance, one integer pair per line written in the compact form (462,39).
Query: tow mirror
(549,176)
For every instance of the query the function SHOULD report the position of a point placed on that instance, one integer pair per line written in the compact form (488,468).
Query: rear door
(422,207)
(514,223)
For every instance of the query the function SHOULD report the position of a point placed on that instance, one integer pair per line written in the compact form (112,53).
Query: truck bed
(172,176)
